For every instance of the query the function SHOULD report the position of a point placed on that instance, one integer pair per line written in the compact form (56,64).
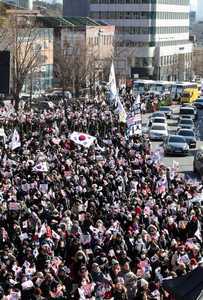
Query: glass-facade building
(75,8)
(42,77)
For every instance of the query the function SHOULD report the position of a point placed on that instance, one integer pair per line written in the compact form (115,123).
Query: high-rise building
(199,10)
(154,36)
(192,18)
(76,8)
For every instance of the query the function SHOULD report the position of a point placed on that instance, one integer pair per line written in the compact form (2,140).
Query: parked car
(175,144)
(186,124)
(198,103)
(158,132)
(188,111)
(43,105)
(189,136)
(58,94)
(24,96)
(167,111)
(198,162)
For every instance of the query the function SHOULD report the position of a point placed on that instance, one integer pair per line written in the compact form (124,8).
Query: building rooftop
(82,21)
(68,21)
(53,22)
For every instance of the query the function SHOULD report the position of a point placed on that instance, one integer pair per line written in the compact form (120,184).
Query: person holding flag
(15,140)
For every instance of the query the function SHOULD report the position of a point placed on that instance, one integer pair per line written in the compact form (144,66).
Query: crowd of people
(108,221)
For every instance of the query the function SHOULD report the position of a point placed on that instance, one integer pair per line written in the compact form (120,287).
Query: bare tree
(122,55)
(3,25)
(80,63)
(2,13)
(24,44)
(69,67)
(74,66)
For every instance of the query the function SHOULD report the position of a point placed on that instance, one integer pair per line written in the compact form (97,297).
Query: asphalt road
(185,163)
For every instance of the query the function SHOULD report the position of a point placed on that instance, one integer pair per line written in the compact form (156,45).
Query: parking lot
(185,162)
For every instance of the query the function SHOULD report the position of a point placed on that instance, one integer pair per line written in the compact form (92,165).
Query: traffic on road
(179,130)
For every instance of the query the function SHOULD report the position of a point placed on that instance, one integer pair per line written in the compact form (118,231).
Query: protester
(90,217)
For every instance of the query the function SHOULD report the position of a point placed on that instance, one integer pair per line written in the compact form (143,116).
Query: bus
(142,86)
(175,89)
(179,88)
(147,86)
(189,95)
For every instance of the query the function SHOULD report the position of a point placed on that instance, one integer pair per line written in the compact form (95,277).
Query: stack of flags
(134,118)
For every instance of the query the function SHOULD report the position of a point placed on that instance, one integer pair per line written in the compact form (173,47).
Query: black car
(189,136)
(175,144)
(198,103)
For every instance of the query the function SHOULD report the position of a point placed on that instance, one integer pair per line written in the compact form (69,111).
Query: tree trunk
(91,88)
(77,88)
(17,102)
(65,106)
(31,88)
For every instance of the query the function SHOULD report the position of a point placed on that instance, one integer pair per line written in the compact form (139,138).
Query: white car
(24,96)
(158,121)
(158,132)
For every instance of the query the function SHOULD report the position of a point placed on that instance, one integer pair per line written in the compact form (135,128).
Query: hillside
(51,9)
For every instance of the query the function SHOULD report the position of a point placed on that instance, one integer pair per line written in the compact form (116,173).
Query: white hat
(143,282)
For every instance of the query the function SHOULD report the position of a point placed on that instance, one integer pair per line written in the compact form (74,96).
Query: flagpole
(140,112)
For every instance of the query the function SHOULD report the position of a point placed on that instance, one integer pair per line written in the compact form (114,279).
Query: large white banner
(134,118)
(115,100)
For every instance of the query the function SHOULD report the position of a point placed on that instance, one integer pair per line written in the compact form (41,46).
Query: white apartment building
(153,36)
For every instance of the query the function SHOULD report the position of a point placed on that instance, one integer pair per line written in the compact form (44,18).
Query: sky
(193,4)
(198,9)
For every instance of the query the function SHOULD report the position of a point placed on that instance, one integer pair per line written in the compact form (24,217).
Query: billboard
(4,72)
